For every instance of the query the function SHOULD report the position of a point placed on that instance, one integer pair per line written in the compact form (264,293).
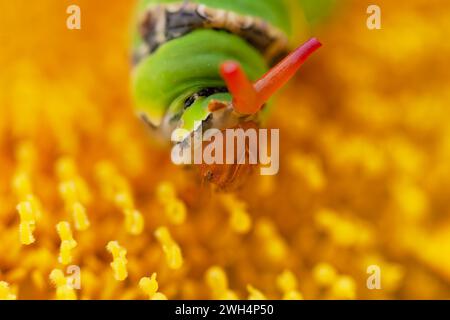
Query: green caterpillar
(182,44)
(193,60)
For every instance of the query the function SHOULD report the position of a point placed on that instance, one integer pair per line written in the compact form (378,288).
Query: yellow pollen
(119,264)
(324,274)
(80,217)
(217,281)
(292,295)
(166,192)
(174,209)
(287,284)
(64,290)
(171,249)
(6,292)
(26,212)
(149,285)
(22,185)
(67,242)
(159,296)
(66,169)
(275,247)
(216,278)
(68,192)
(116,188)
(134,222)
(255,294)
(344,288)
(286,281)
(240,221)
(27,222)
(26,156)
(124,200)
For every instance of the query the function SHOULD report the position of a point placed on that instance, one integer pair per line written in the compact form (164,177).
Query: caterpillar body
(195,60)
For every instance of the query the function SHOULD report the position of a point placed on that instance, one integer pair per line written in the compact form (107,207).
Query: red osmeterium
(244,94)
(248,98)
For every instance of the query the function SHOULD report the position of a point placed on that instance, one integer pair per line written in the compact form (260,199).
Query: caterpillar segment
(165,22)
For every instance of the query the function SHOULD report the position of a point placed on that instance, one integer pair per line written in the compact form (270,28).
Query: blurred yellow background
(364,179)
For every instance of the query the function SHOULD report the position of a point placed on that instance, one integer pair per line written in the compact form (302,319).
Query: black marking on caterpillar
(165,22)
(205,92)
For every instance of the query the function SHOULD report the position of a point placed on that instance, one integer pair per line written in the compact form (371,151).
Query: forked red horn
(248,98)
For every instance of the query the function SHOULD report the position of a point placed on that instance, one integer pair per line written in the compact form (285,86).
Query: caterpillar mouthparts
(248,98)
